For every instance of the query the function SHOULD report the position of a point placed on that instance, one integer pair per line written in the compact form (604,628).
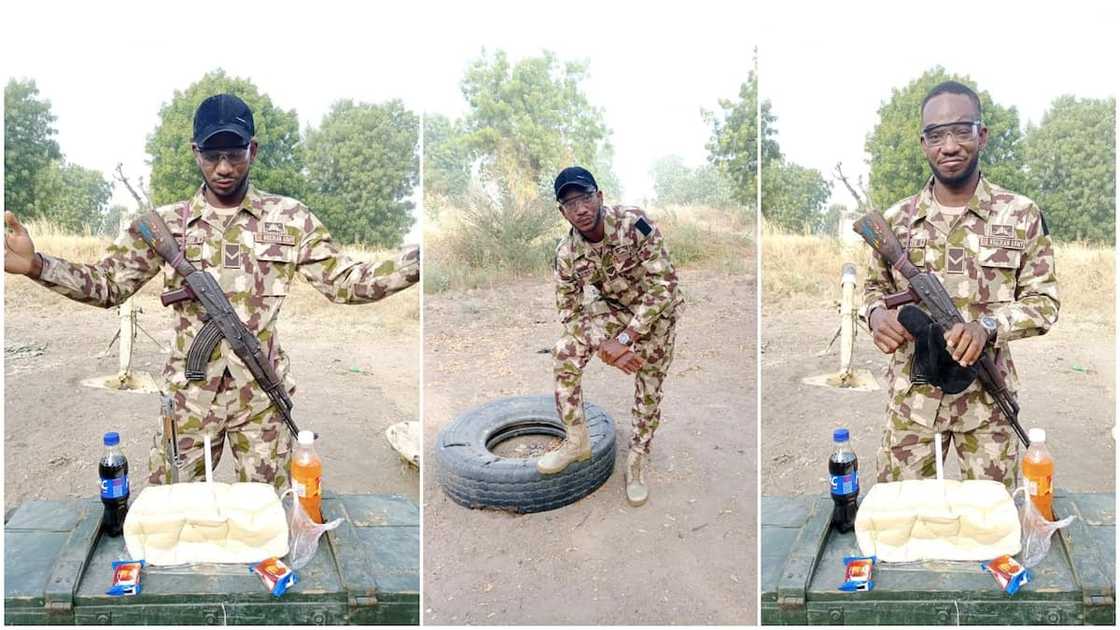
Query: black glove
(932,362)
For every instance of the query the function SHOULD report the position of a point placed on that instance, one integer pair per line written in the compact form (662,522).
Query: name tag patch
(1005,242)
(274,233)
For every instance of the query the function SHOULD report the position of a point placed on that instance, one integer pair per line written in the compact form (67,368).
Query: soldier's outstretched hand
(19,251)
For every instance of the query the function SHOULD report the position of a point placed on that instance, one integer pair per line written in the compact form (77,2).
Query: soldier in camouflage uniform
(991,249)
(630,323)
(253,243)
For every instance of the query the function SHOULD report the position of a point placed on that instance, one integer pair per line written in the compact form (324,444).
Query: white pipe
(937,456)
(210,465)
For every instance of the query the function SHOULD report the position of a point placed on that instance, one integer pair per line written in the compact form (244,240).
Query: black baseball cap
(574,176)
(223,113)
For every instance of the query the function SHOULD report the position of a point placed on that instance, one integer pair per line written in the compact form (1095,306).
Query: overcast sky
(107,72)
(827,78)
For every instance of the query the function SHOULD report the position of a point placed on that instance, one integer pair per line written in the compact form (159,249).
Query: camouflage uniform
(637,289)
(995,259)
(254,258)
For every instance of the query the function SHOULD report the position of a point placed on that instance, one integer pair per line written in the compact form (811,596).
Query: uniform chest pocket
(274,265)
(587,272)
(917,255)
(999,270)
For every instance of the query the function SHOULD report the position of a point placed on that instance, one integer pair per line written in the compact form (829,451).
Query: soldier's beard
(955,181)
(595,225)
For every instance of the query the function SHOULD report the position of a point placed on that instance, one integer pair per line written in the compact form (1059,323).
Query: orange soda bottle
(307,476)
(1038,470)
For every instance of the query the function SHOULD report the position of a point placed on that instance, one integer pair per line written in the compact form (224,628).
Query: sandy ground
(687,556)
(1065,378)
(356,369)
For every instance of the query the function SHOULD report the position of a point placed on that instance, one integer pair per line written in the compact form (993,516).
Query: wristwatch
(989,325)
(624,338)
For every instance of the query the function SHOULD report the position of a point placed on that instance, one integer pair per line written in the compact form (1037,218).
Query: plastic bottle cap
(1037,435)
(113,438)
(840,435)
(306,438)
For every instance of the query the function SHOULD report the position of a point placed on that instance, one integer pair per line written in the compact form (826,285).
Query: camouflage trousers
(582,341)
(243,416)
(988,451)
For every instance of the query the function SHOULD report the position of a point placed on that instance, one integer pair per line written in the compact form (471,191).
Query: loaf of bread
(933,519)
(187,523)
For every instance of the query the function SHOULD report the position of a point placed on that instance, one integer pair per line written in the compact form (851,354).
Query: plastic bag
(303,533)
(1037,530)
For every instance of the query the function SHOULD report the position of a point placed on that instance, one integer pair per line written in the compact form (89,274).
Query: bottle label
(307,488)
(1040,486)
(114,488)
(844,484)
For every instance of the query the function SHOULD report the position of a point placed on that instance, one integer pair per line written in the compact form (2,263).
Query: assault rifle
(926,289)
(220,317)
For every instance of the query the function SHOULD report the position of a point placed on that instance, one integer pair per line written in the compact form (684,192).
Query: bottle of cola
(113,470)
(843,476)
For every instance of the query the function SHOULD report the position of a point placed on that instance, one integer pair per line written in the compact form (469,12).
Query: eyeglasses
(235,157)
(571,204)
(961,132)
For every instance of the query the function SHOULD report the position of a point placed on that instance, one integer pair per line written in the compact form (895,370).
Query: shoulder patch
(643,226)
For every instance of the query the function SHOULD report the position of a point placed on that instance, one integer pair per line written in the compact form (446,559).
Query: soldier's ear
(252,150)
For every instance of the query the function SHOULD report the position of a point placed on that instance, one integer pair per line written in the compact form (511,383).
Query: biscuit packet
(126,578)
(1009,574)
(857,573)
(276,575)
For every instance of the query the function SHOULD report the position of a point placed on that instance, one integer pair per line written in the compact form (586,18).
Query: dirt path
(356,370)
(1066,378)
(687,556)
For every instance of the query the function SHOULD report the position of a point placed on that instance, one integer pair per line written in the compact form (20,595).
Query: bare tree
(144,203)
(859,191)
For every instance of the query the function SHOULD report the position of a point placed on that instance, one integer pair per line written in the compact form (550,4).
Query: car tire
(473,476)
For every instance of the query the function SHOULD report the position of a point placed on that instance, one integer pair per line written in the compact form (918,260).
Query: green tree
(447,161)
(793,196)
(111,223)
(1070,163)
(73,197)
(536,112)
(29,144)
(898,165)
(175,176)
(363,164)
(675,183)
(733,145)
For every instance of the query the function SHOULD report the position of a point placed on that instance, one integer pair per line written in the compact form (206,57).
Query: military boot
(636,492)
(576,447)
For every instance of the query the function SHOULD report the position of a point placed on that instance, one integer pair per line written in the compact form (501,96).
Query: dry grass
(395,314)
(697,237)
(803,271)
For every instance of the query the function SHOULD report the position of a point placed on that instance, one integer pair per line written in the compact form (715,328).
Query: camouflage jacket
(630,268)
(997,259)
(254,258)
